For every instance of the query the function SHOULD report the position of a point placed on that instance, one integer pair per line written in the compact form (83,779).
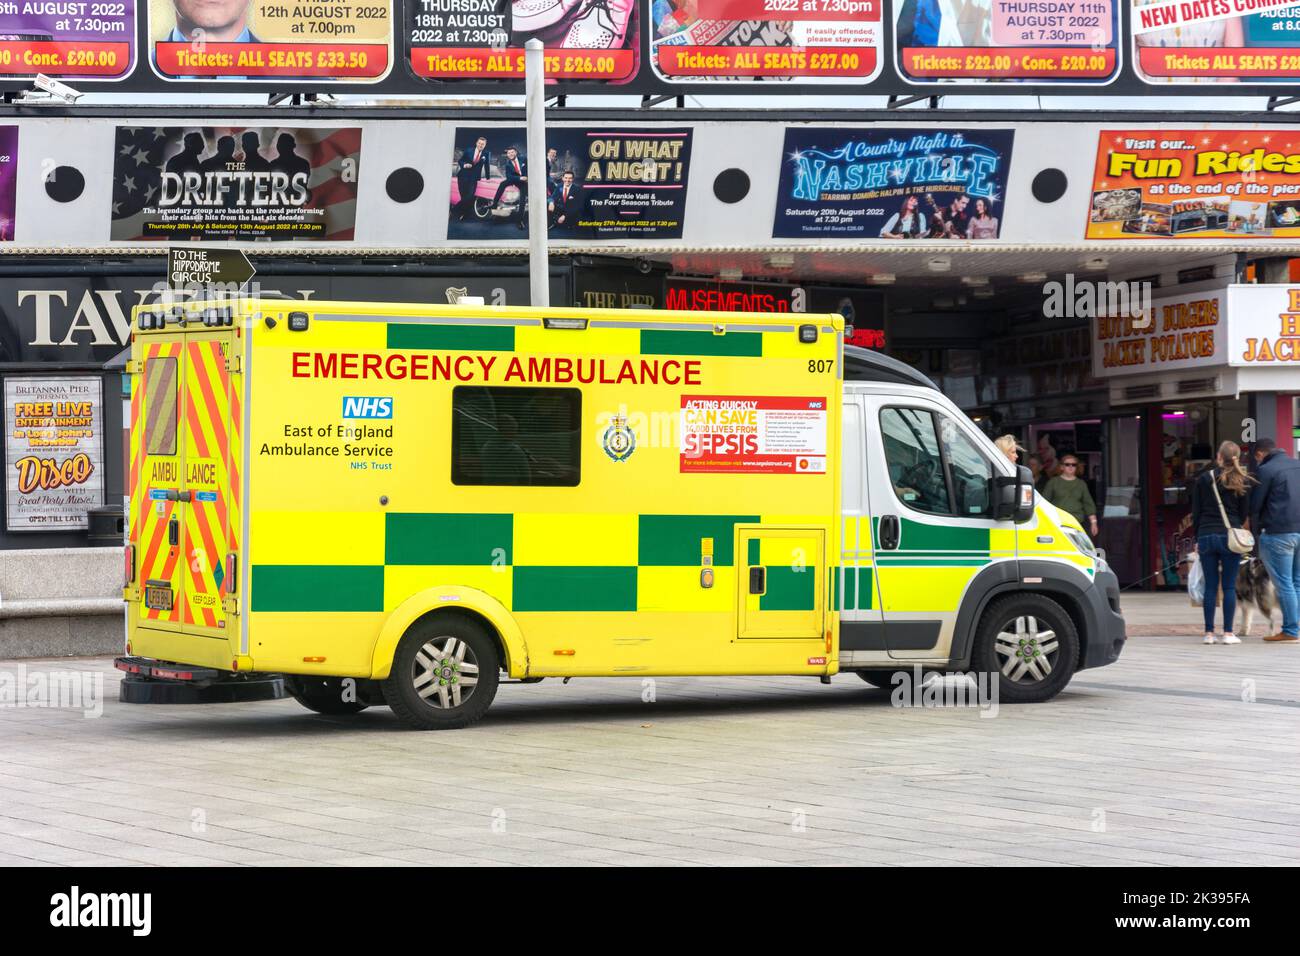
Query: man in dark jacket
(1275,520)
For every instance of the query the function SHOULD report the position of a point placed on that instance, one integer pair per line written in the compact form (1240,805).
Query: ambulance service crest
(619,441)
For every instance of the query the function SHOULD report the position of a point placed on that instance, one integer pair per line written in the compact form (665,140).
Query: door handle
(173,495)
(889,532)
(173,532)
(758,579)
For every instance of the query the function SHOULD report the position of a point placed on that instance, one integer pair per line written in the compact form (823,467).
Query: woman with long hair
(907,223)
(1218,561)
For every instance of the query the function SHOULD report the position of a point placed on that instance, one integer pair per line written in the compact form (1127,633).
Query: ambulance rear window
(516,436)
(161,394)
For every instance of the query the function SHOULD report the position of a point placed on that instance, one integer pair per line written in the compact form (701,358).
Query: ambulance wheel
(881,679)
(1031,643)
(444,674)
(326,695)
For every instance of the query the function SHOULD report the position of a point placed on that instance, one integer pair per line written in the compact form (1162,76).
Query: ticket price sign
(271,40)
(1196,184)
(1059,42)
(88,39)
(484,39)
(825,41)
(1216,41)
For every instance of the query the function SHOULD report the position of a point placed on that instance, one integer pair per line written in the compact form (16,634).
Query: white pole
(539,270)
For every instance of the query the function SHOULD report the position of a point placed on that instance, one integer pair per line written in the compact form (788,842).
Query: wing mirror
(1015,496)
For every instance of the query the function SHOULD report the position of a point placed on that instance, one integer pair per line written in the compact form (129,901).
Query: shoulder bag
(1240,541)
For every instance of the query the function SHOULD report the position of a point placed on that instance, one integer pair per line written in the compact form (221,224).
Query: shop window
(516,436)
(161,406)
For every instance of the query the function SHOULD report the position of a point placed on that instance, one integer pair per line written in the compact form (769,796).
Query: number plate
(158,598)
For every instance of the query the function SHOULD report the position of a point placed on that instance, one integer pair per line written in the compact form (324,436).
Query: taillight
(128,569)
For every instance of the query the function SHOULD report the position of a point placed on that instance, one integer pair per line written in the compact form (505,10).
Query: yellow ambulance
(403,504)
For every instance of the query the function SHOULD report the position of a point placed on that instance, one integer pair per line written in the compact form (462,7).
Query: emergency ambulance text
(557,370)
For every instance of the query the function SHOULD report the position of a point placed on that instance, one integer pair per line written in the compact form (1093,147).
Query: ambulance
(406,505)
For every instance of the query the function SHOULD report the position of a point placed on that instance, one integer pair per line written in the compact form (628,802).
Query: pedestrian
(1070,493)
(1275,518)
(1007,445)
(1220,501)
(1040,476)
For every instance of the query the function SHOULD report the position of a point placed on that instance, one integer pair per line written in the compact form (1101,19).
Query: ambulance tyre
(1031,643)
(326,695)
(884,680)
(444,674)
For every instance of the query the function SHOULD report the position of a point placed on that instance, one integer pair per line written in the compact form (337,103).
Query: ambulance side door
(862,631)
(933,494)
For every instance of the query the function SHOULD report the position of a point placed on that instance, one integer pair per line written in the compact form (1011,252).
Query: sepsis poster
(1216,41)
(268,183)
(1010,41)
(484,39)
(599,183)
(827,41)
(885,183)
(758,434)
(54,452)
(88,39)
(269,40)
(1196,184)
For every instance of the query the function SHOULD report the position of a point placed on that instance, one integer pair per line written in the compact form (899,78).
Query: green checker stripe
(670,342)
(917,536)
(474,539)
(858,589)
(674,540)
(574,589)
(789,590)
(485,338)
(318,587)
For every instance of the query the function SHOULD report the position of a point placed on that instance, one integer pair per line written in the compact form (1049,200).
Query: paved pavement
(1178,754)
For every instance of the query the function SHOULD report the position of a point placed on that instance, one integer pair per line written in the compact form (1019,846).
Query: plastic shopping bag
(1195,580)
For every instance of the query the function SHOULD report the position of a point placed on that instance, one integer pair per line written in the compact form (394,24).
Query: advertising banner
(269,40)
(265,183)
(83,38)
(1196,184)
(1216,41)
(1008,41)
(1264,326)
(484,39)
(1181,331)
(892,183)
(753,434)
(600,184)
(8,181)
(54,452)
(826,41)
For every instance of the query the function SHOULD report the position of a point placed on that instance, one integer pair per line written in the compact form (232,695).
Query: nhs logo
(367,406)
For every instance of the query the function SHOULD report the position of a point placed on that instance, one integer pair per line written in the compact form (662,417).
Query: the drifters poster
(892,183)
(54,452)
(266,183)
(600,184)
